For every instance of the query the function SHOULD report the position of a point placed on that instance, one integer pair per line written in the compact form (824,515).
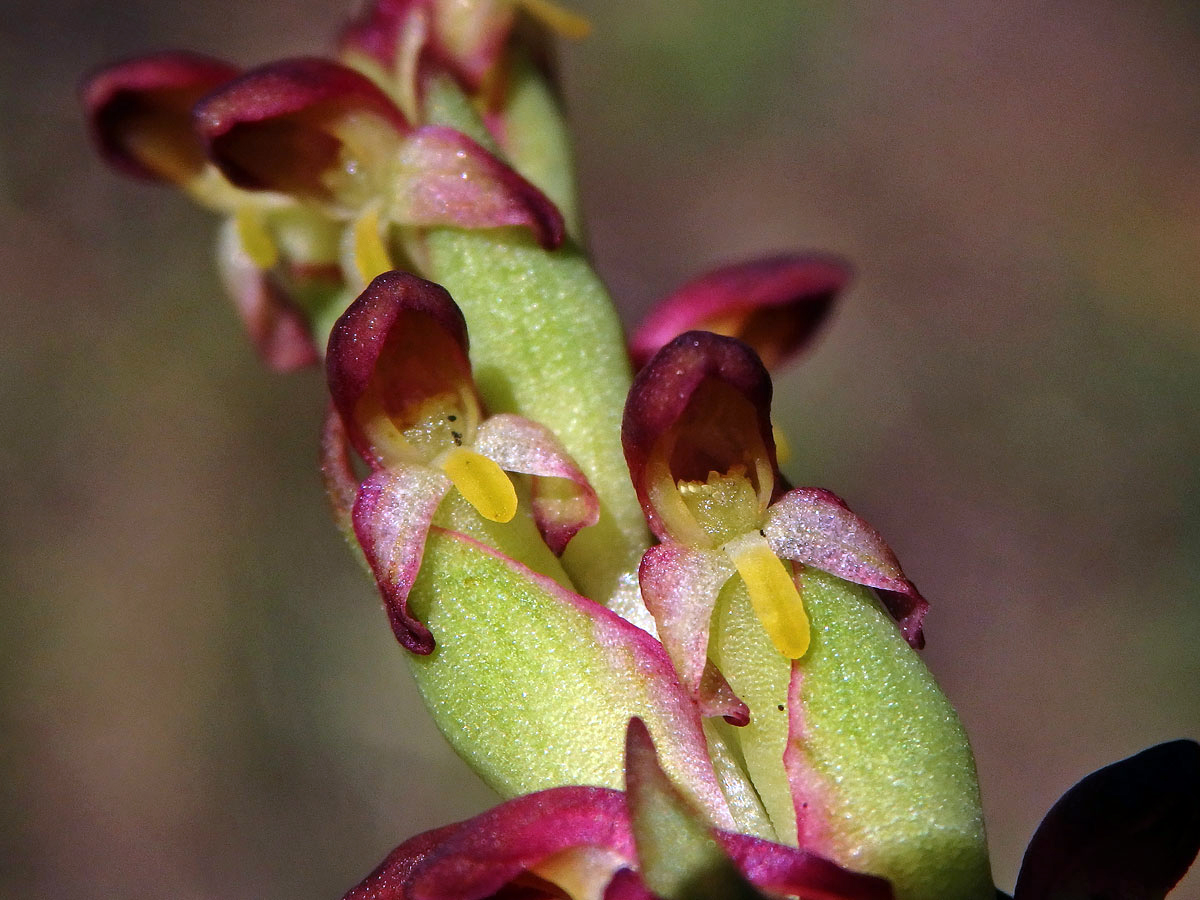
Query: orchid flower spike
(402,387)
(701,453)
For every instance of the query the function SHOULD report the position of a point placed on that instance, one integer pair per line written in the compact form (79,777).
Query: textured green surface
(892,775)
(546,343)
(678,855)
(538,142)
(535,692)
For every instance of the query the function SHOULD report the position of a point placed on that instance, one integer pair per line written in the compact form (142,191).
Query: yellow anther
(371,256)
(773,594)
(567,23)
(255,239)
(482,483)
(783,447)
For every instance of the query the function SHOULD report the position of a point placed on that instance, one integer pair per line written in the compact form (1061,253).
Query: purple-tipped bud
(775,305)
(140,113)
(308,127)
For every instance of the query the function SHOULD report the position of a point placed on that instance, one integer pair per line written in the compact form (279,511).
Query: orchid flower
(327,135)
(701,453)
(401,383)
(774,304)
(314,165)
(278,259)
(587,843)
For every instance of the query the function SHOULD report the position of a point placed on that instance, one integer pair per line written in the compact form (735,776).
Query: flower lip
(274,128)
(140,113)
(399,347)
(774,304)
(701,405)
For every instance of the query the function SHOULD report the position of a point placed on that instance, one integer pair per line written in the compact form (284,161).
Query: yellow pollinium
(772,592)
(482,483)
(783,447)
(371,257)
(255,239)
(568,24)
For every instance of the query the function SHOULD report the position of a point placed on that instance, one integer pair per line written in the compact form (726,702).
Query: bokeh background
(199,695)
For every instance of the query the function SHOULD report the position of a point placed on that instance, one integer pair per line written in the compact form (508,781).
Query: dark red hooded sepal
(775,305)
(1126,832)
(701,405)
(400,347)
(310,128)
(140,113)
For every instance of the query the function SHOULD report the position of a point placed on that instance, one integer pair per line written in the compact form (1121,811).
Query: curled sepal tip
(392,514)
(814,527)
(563,500)
(775,305)
(275,323)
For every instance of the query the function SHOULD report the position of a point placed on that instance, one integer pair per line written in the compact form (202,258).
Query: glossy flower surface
(774,304)
(401,384)
(701,452)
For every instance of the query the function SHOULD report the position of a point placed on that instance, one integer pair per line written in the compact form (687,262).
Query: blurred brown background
(200,697)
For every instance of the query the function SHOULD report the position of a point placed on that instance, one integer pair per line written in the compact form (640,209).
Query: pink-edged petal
(563,500)
(809,789)
(281,128)
(774,304)
(786,870)
(1126,832)
(392,516)
(680,587)
(703,402)
(337,472)
(445,178)
(493,849)
(390,879)
(401,343)
(140,113)
(278,328)
(815,527)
